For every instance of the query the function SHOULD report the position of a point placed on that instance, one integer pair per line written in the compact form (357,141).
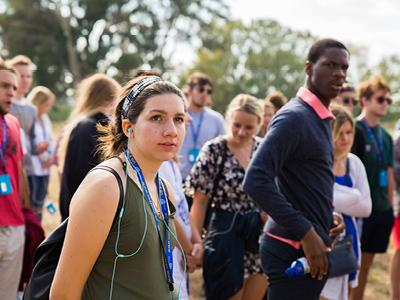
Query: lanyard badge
(378,145)
(5,185)
(194,152)
(5,181)
(167,249)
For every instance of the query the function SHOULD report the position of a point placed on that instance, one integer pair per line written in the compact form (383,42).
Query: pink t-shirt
(10,205)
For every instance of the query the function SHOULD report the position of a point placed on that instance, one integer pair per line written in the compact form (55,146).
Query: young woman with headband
(125,252)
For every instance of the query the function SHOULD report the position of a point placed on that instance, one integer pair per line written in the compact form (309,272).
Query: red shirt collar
(308,97)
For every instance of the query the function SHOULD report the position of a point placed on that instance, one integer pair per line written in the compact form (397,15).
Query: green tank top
(141,276)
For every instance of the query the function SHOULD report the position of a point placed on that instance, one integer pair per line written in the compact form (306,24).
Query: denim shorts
(38,186)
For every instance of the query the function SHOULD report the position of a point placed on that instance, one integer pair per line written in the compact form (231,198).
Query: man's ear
(308,67)
(363,101)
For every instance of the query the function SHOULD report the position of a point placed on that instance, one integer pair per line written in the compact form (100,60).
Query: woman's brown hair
(113,140)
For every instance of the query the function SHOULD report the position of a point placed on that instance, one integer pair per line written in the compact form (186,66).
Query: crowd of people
(156,184)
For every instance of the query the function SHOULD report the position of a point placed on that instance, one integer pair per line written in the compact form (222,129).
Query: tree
(69,39)
(255,58)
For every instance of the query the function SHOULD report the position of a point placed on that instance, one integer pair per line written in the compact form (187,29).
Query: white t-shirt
(43,132)
(169,171)
(204,126)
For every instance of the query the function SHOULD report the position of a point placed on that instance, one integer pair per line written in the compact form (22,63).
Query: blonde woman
(43,99)
(77,154)
(351,196)
(231,265)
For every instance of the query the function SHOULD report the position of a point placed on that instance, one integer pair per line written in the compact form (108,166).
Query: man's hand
(42,147)
(316,254)
(263,216)
(190,263)
(197,253)
(339,227)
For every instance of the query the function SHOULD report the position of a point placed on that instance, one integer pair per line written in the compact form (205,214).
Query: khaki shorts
(12,240)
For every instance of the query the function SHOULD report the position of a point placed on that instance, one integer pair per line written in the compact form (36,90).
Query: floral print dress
(228,195)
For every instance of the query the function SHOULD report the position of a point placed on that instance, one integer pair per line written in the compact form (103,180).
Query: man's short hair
(277,99)
(142,72)
(20,60)
(347,87)
(368,87)
(318,48)
(6,67)
(200,79)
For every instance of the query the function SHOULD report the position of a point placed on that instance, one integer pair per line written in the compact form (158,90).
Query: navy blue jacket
(290,175)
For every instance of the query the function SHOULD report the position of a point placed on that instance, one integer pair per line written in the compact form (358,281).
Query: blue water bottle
(51,208)
(298,268)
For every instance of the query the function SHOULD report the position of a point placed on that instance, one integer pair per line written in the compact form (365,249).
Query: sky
(374,24)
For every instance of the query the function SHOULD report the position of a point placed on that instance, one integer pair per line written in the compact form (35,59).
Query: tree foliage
(69,39)
(255,58)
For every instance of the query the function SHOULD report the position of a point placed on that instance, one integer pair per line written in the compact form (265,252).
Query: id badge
(5,185)
(383,179)
(193,154)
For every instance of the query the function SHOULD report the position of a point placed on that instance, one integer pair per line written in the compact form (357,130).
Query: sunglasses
(202,89)
(348,100)
(382,99)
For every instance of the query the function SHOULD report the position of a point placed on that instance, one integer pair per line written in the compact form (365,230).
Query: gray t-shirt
(205,126)
(26,115)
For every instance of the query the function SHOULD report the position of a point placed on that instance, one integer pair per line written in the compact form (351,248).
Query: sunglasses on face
(348,100)
(382,99)
(202,89)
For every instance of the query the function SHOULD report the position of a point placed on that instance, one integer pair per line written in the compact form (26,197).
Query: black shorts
(376,232)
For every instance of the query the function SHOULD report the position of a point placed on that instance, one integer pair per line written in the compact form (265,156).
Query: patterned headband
(135,91)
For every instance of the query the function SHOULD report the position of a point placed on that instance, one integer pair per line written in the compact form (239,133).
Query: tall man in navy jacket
(290,178)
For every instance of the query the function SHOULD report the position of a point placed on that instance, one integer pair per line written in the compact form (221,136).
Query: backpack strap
(120,186)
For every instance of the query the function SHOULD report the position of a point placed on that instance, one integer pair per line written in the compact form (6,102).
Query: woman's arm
(92,211)
(198,211)
(355,201)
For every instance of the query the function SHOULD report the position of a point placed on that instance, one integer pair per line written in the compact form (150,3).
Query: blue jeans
(38,186)
(276,256)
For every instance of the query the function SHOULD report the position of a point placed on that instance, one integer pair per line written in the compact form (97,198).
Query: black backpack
(48,253)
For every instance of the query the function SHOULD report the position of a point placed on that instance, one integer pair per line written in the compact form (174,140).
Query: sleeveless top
(142,275)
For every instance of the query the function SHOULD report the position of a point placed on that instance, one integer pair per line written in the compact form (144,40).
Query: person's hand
(263,216)
(338,227)
(190,263)
(197,253)
(46,163)
(42,147)
(316,254)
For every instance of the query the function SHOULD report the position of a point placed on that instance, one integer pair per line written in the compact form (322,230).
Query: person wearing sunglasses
(205,123)
(347,97)
(374,146)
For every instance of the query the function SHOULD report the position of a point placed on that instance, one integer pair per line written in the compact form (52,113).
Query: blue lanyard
(196,133)
(4,143)
(378,144)
(168,258)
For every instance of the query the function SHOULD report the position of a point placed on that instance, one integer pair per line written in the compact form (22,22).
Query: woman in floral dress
(231,246)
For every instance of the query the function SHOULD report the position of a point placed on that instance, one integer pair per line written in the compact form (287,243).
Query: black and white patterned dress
(228,194)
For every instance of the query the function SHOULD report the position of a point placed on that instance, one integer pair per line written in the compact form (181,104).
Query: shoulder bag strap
(119,181)
(220,169)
